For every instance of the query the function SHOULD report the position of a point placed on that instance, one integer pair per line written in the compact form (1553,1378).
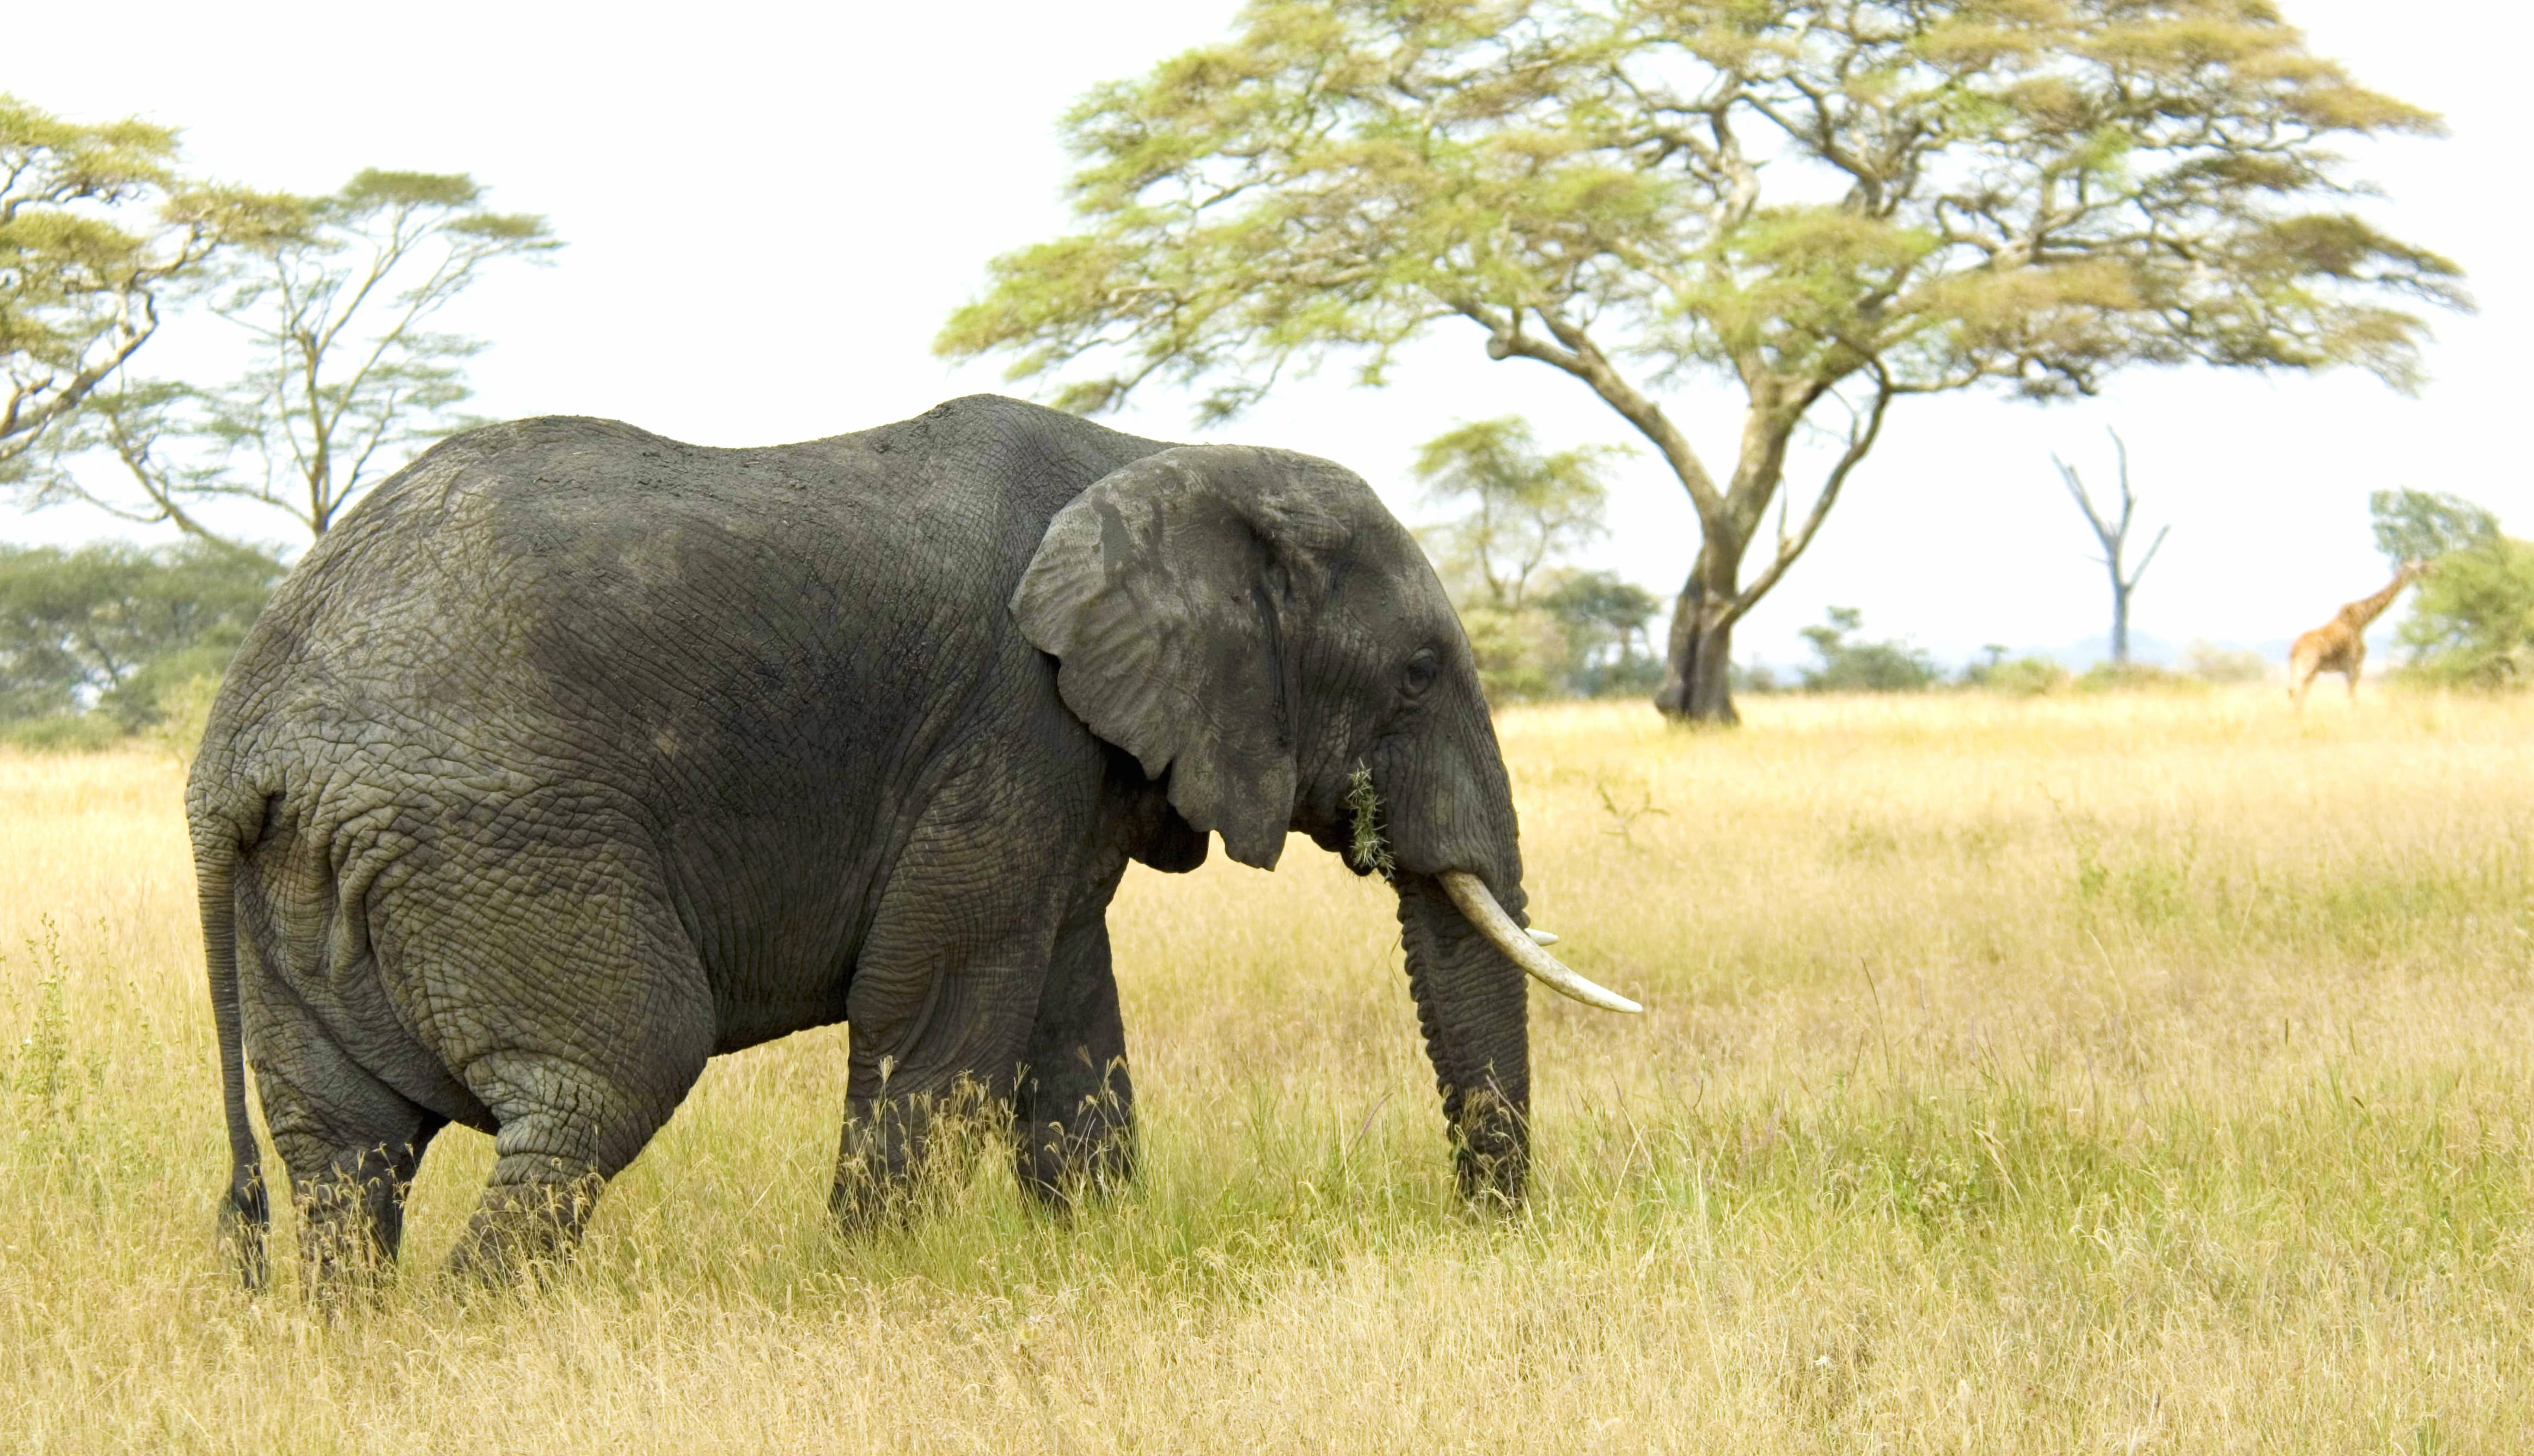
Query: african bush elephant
(576,756)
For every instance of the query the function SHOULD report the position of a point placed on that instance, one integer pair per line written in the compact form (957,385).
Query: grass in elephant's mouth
(2125,1074)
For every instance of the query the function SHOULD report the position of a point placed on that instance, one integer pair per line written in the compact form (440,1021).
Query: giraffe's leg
(2357,660)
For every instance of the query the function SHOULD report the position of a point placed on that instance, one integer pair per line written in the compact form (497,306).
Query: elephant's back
(609,592)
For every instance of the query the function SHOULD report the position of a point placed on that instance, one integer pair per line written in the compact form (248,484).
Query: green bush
(1851,666)
(61,733)
(2123,677)
(1517,652)
(2016,677)
(2472,623)
(108,631)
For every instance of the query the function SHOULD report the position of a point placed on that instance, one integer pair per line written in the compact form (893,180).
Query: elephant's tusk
(1470,893)
(1539,936)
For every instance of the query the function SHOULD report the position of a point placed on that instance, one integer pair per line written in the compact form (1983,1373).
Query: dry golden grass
(2116,1074)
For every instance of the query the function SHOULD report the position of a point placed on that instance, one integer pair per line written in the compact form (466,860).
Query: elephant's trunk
(1470,1004)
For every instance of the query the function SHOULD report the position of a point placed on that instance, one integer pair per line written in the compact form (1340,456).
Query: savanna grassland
(2133,1073)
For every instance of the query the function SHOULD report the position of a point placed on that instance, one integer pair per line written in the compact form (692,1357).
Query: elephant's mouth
(1525,949)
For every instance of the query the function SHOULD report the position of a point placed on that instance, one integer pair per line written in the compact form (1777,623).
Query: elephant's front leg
(940,1009)
(1074,1108)
(935,1050)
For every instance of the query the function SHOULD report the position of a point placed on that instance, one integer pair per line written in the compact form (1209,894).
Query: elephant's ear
(1167,593)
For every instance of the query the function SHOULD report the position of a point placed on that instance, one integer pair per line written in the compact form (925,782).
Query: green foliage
(2015,677)
(1848,665)
(1584,637)
(1606,625)
(97,230)
(1517,508)
(1538,629)
(1343,173)
(182,695)
(99,636)
(2424,526)
(1369,852)
(75,733)
(41,1073)
(348,381)
(1519,654)
(2472,619)
(1759,676)
(1812,199)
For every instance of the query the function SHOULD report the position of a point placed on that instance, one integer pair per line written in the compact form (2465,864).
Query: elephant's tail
(244,1212)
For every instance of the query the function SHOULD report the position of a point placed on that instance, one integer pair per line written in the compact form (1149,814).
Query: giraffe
(2340,644)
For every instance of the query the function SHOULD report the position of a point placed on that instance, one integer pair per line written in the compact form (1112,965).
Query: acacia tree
(344,377)
(2112,532)
(1518,508)
(97,228)
(1843,200)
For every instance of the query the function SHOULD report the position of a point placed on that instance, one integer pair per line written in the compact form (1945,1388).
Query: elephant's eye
(1420,674)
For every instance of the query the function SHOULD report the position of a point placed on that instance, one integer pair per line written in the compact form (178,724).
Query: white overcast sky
(770,208)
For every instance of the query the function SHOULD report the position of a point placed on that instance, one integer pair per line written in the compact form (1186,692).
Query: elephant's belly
(740,1028)
(776,976)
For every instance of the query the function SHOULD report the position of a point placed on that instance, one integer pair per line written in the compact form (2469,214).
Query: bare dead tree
(2114,535)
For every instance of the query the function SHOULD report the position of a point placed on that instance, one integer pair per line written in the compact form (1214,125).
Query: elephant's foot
(899,1152)
(1088,1154)
(351,1226)
(1063,1168)
(529,1222)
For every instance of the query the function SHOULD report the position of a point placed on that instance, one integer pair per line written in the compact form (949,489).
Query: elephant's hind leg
(587,1020)
(566,1127)
(351,1142)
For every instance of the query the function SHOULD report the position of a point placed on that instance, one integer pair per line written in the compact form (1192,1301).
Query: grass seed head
(1363,807)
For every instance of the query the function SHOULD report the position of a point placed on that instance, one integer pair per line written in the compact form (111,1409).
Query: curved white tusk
(1539,936)
(1480,908)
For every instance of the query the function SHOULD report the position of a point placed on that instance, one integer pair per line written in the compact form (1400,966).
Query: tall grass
(2115,1074)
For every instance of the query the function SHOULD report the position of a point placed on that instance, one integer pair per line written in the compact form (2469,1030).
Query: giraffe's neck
(2359,613)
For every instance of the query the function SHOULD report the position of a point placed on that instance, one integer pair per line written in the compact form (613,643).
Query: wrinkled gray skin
(577,755)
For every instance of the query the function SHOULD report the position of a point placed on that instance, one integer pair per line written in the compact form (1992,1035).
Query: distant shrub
(1605,633)
(103,632)
(2124,677)
(1851,666)
(1518,652)
(2211,663)
(61,733)
(184,710)
(1625,677)
(2028,675)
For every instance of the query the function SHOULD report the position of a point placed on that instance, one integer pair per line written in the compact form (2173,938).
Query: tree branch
(1860,440)
(1581,359)
(2132,583)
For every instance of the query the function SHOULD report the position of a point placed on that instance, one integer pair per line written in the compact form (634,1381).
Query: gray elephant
(576,756)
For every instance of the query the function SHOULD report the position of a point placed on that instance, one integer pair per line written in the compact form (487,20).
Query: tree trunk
(1698,678)
(2120,622)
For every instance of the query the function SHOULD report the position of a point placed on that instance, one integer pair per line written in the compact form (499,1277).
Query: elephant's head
(1267,640)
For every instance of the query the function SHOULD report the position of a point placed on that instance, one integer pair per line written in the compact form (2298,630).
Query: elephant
(576,756)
